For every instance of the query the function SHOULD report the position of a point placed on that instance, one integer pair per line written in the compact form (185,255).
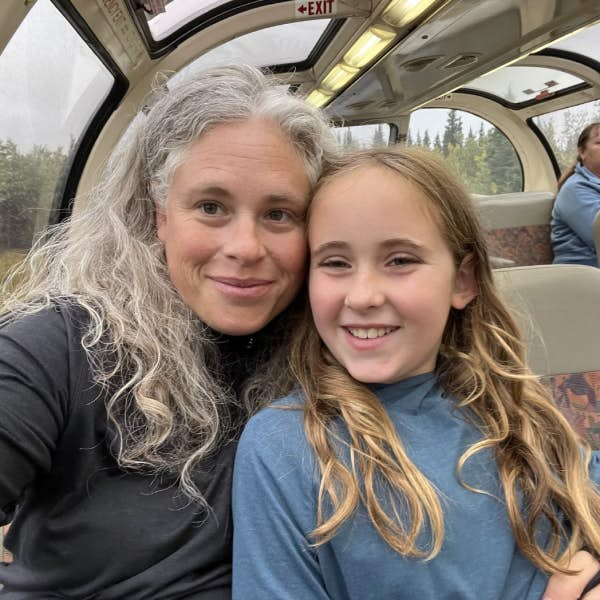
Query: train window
(479,152)
(561,129)
(363,136)
(289,43)
(52,84)
(585,42)
(519,84)
(177,14)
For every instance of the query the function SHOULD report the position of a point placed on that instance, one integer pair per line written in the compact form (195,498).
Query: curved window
(480,154)
(524,83)
(281,44)
(51,85)
(363,136)
(561,128)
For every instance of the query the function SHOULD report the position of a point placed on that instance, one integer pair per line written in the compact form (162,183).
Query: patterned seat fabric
(524,245)
(578,397)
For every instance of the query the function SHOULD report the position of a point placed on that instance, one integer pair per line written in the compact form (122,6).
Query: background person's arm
(578,207)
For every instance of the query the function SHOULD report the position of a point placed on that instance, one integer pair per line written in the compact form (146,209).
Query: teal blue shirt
(275,505)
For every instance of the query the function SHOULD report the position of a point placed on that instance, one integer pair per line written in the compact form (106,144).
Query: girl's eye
(210,208)
(401,261)
(334,263)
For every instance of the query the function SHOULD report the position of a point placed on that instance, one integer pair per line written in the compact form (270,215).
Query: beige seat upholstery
(517,226)
(557,307)
(597,236)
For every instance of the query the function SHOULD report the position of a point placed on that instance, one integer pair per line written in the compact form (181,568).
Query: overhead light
(339,76)
(319,97)
(402,12)
(369,45)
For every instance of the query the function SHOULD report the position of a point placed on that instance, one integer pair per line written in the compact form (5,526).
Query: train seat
(597,235)
(557,308)
(517,226)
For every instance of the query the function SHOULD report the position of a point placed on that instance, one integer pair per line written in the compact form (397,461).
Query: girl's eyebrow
(389,243)
(406,242)
(327,246)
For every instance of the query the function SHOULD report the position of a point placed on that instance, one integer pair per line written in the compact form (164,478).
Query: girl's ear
(465,285)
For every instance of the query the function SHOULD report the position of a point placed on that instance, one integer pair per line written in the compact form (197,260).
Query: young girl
(421,458)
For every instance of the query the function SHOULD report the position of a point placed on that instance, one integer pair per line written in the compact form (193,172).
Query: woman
(129,358)
(578,203)
(148,329)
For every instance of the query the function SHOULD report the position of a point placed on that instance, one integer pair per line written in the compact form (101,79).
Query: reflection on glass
(517,83)
(480,154)
(51,84)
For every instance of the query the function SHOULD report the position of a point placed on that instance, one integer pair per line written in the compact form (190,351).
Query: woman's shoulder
(57,318)
(48,339)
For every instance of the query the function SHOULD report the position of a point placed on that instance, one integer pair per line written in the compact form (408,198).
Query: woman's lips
(242,288)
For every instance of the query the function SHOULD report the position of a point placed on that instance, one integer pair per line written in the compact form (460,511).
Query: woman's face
(590,155)
(233,226)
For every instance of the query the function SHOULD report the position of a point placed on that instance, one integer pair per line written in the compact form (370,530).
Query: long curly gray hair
(154,357)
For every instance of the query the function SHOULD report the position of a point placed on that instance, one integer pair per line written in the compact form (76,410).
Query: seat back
(597,235)
(557,307)
(518,226)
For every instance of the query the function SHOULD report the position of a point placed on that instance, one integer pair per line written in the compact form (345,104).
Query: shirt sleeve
(33,400)
(579,203)
(594,467)
(274,511)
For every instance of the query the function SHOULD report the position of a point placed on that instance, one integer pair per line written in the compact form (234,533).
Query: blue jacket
(576,205)
(275,505)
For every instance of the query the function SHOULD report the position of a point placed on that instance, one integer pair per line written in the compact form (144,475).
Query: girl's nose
(363,294)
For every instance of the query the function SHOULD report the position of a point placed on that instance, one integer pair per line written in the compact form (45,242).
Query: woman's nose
(244,242)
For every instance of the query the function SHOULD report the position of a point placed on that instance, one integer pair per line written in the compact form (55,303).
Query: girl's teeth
(370,333)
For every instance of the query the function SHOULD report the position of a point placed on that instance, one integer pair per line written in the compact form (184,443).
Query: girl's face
(382,279)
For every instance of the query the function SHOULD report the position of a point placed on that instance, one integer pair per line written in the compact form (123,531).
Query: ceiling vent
(418,64)
(462,60)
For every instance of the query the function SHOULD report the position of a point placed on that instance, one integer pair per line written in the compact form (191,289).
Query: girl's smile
(382,278)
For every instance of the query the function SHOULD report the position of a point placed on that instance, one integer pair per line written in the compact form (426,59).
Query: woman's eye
(210,208)
(278,215)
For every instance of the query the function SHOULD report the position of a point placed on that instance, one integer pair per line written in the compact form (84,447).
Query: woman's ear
(465,285)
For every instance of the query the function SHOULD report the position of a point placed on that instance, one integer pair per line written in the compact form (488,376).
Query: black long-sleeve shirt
(81,526)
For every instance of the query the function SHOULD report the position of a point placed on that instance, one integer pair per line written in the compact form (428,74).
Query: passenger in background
(578,203)
(419,457)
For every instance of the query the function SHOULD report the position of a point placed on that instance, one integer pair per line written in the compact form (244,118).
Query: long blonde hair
(157,361)
(542,463)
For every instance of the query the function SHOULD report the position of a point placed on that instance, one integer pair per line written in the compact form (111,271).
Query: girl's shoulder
(282,418)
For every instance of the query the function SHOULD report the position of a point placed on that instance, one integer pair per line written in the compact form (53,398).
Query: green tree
(378,139)
(453,132)
(503,164)
(426,140)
